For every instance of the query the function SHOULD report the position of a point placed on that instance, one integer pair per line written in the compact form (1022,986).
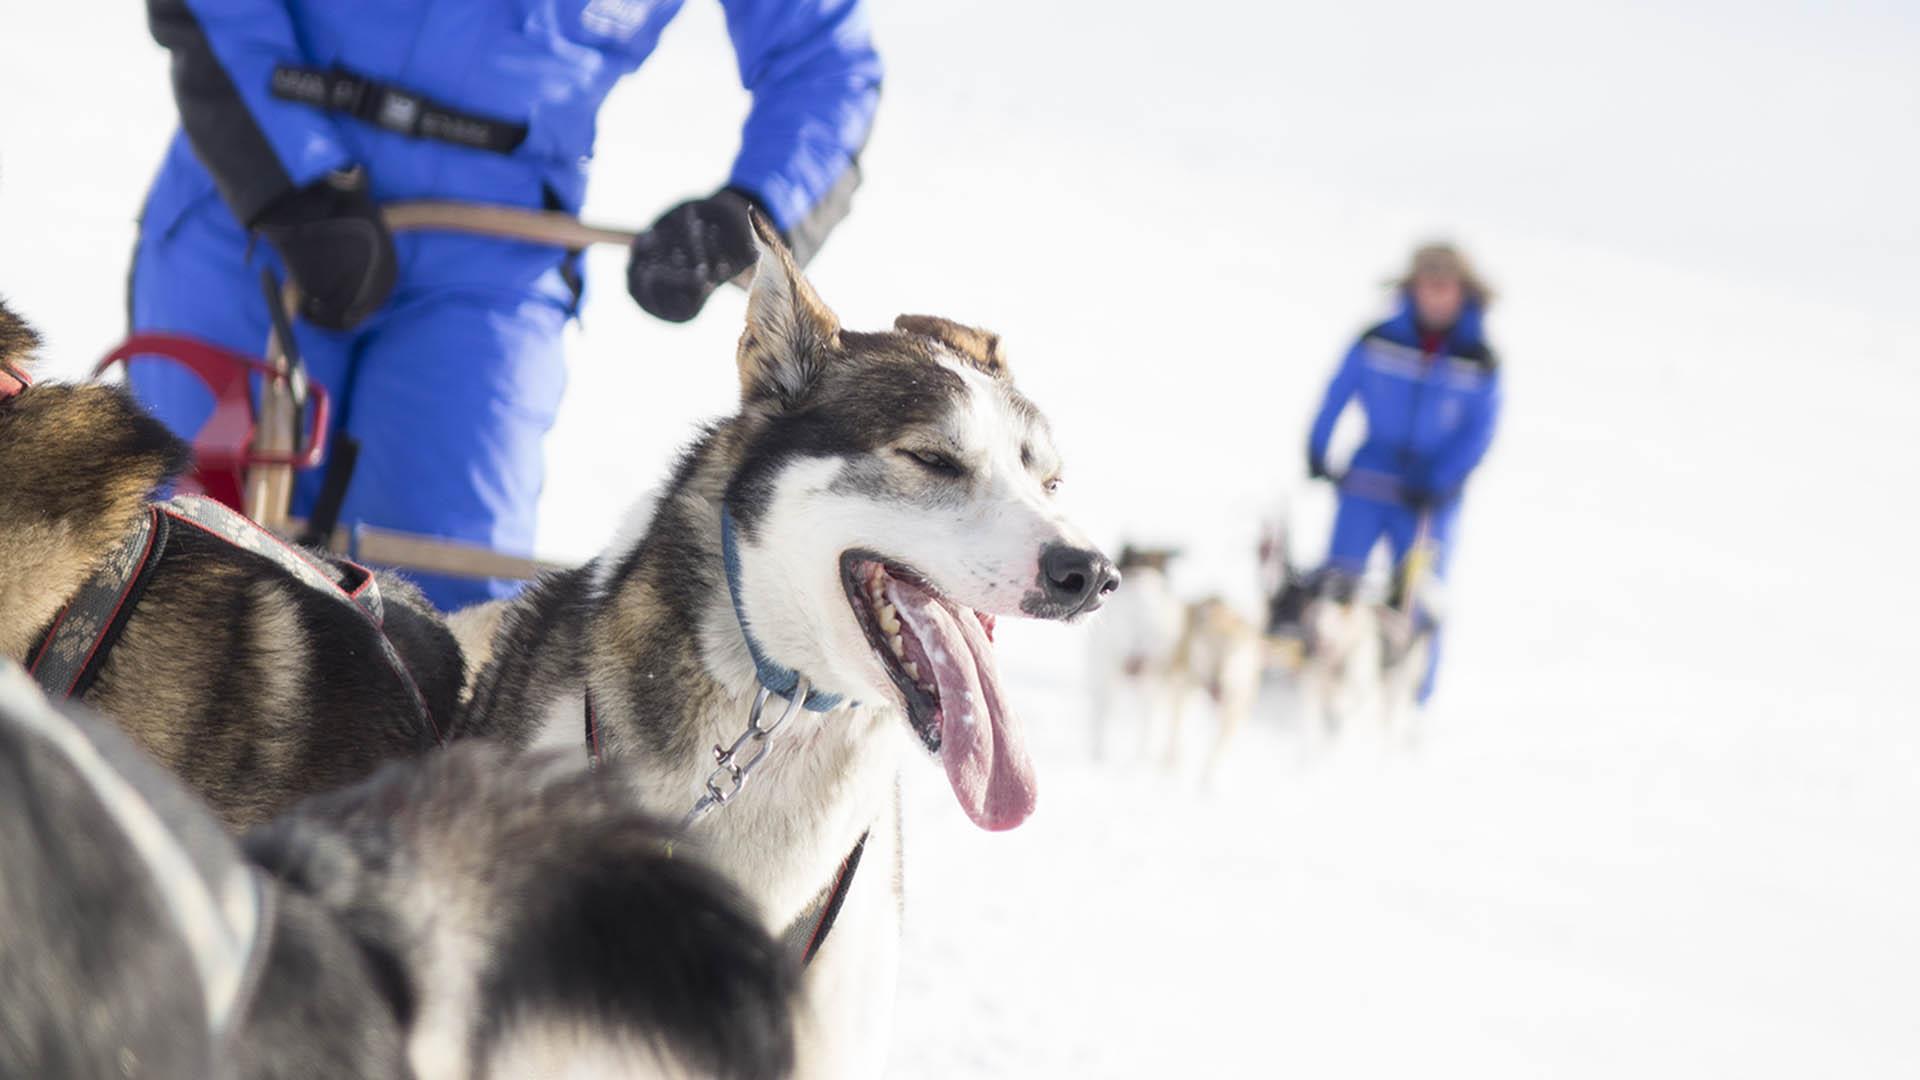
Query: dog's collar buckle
(733,764)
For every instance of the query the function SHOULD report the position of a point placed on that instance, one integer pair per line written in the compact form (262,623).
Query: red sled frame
(225,447)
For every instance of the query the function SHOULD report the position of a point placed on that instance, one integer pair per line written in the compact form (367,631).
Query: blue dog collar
(773,675)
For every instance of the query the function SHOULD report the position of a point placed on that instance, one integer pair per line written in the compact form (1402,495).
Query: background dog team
(1514,764)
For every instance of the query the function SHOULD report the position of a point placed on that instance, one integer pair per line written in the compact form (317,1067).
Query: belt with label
(391,108)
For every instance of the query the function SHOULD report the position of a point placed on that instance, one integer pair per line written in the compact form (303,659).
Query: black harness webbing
(75,647)
(826,908)
(394,109)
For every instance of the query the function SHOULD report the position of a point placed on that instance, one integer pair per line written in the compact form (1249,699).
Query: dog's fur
(464,915)
(819,462)
(256,690)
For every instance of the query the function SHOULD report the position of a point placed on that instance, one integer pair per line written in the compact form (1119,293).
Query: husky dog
(1132,648)
(1340,657)
(461,916)
(254,687)
(847,538)
(1330,635)
(1224,655)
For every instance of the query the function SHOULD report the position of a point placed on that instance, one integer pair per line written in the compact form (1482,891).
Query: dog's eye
(935,461)
(1051,484)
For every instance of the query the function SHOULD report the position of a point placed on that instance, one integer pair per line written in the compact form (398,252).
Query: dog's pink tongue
(981,742)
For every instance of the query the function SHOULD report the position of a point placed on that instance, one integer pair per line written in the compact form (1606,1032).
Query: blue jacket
(1430,417)
(548,64)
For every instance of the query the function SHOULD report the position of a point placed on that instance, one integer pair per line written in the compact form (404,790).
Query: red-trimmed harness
(74,649)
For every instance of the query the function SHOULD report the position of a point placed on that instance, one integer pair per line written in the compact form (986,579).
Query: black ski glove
(336,248)
(1317,467)
(1418,498)
(689,252)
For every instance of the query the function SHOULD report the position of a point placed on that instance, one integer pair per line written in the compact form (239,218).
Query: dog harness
(70,656)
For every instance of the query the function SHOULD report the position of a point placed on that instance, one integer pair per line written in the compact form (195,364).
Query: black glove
(1317,468)
(1418,498)
(690,251)
(336,248)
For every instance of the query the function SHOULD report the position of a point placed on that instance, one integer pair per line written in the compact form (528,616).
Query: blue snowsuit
(451,387)
(1430,407)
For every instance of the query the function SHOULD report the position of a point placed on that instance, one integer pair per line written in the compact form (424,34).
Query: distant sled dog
(461,916)
(1132,651)
(1152,652)
(1357,656)
(847,538)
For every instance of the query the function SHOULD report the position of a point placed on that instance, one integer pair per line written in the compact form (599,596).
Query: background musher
(1429,386)
(443,352)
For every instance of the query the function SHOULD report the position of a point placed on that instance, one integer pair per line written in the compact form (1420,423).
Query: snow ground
(1667,816)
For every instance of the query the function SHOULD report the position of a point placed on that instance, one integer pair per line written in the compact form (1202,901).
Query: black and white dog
(459,916)
(847,537)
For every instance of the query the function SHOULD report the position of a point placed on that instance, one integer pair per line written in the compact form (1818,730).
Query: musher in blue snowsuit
(443,352)
(1429,386)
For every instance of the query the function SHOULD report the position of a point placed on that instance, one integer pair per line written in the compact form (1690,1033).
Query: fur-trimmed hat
(1442,259)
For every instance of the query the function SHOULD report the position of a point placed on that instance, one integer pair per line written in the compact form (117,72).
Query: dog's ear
(790,335)
(977,347)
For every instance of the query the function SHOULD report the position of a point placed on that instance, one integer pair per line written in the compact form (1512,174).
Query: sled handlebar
(551,227)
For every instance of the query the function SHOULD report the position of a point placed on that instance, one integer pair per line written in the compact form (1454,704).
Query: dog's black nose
(1077,579)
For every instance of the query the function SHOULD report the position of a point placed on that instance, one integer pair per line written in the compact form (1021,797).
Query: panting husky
(845,542)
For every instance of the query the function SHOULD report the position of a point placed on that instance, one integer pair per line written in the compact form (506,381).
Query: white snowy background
(1666,819)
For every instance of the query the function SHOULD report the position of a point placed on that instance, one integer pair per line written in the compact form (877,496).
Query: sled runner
(269,419)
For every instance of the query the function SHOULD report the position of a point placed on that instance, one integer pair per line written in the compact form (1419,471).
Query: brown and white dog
(1133,650)
(253,685)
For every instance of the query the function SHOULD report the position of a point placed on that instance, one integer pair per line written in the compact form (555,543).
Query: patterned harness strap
(342,578)
(76,645)
(358,589)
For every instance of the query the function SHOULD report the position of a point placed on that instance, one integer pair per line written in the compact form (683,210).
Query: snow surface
(1666,821)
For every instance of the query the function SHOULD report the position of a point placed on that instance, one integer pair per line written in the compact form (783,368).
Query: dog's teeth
(913,671)
(898,646)
(889,620)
